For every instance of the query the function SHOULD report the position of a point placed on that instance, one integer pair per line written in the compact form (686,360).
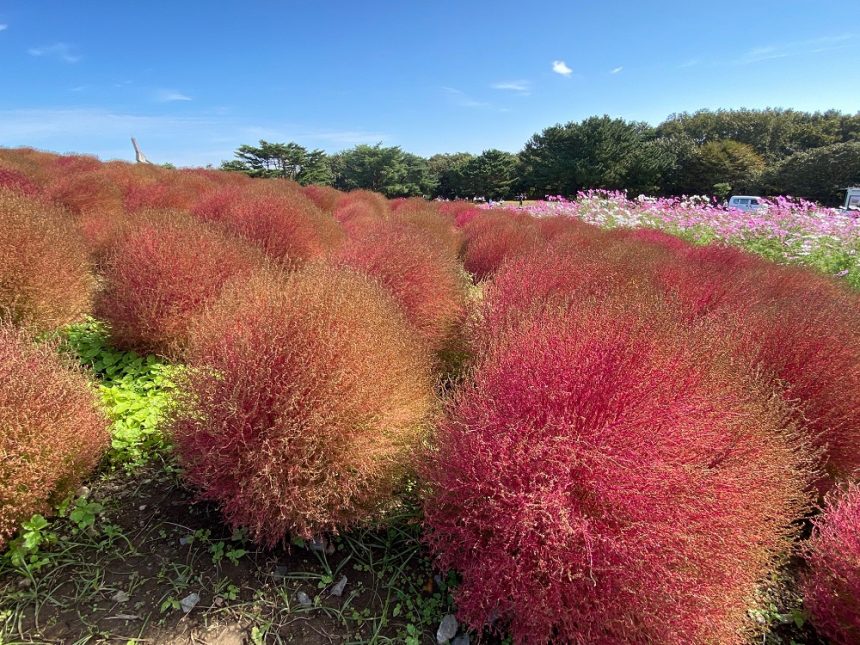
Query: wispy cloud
(169,96)
(3,27)
(60,51)
(689,63)
(520,87)
(796,48)
(461,99)
(194,139)
(560,67)
(617,70)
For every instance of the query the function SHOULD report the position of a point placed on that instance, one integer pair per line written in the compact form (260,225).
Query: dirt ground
(152,546)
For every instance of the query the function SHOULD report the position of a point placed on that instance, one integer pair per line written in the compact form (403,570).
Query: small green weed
(135,390)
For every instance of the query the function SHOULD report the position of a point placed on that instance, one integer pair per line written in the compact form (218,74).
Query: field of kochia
(601,432)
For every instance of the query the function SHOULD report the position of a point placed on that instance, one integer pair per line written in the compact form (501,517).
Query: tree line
(771,151)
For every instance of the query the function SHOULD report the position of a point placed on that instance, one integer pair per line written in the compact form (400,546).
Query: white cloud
(169,96)
(616,70)
(4,27)
(60,51)
(521,87)
(195,139)
(560,67)
(797,48)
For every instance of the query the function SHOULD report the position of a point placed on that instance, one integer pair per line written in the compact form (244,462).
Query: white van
(746,202)
(852,199)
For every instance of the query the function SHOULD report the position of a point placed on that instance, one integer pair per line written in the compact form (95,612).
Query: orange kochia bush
(161,272)
(415,268)
(45,278)
(607,476)
(306,399)
(51,430)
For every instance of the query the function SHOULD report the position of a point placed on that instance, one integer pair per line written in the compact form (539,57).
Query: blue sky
(193,80)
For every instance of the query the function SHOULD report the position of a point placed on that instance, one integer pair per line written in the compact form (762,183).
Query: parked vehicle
(746,202)
(852,199)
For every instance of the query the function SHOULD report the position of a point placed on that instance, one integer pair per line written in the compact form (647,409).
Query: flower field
(242,410)
(786,230)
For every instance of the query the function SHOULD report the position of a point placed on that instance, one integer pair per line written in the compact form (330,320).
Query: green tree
(722,162)
(773,133)
(282,160)
(599,152)
(384,169)
(820,174)
(491,174)
(448,173)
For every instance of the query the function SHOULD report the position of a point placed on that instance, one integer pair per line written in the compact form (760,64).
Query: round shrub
(606,477)
(14,180)
(53,433)
(424,279)
(325,197)
(45,278)
(495,235)
(160,273)
(424,216)
(799,327)
(831,587)
(284,223)
(373,202)
(82,192)
(555,277)
(307,398)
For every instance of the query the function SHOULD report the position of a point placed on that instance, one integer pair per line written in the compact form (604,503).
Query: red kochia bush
(13,179)
(307,399)
(831,588)
(554,277)
(51,431)
(417,270)
(495,235)
(605,477)
(285,224)
(84,192)
(160,273)
(324,197)
(45,279)
(798,326)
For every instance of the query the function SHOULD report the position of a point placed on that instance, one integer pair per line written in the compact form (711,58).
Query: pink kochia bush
(162,271)
(306,399)
(416,269)
(52,433)
(831,588)
(606,477)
